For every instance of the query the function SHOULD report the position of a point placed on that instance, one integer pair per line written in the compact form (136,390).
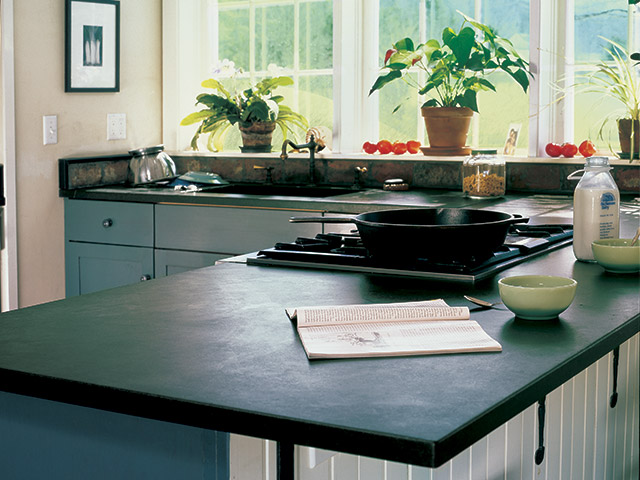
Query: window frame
(355,68)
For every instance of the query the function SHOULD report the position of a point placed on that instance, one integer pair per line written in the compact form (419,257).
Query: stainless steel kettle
(150,164)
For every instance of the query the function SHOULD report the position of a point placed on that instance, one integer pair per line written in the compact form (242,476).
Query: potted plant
(454,73)
(256,110)
(618,79)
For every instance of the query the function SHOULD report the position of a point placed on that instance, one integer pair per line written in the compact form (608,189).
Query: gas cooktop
(339,251)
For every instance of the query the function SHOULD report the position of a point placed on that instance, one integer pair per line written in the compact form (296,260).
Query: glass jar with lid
(484,174)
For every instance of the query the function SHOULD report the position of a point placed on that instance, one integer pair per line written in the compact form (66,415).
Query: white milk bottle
(596,207)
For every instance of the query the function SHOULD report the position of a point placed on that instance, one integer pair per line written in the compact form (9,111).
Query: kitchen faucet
(311,145)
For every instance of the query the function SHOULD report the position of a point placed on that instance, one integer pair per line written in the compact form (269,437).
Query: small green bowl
(617,255)
(537,297)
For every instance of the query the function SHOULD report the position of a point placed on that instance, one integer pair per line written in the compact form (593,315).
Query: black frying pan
(436,234)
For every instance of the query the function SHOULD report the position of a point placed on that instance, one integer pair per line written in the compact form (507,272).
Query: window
(334,48)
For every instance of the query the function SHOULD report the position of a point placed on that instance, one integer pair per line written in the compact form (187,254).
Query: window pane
(591,111)
(274,44)
(316,35)
(233,39)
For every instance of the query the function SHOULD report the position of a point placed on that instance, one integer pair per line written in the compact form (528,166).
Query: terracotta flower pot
(447,129)
(257,137)
(624,134)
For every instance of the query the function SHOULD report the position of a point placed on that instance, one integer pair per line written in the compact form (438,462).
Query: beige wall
(82,117)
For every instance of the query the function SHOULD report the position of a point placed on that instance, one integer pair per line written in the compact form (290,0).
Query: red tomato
(387,55)
(413,146)
(587,148)
(369,147)
(568,150)
(399,148)
(384,146)
(553,149)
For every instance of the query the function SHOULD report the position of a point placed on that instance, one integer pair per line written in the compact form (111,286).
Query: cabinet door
(170,262)
(91,267)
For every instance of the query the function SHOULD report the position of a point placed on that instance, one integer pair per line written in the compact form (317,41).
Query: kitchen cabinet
(110,244)
(107,244)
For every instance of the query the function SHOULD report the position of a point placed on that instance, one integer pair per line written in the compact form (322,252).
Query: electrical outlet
(116,126)
(49,129)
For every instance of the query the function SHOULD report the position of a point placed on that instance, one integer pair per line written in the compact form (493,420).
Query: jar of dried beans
(484,174)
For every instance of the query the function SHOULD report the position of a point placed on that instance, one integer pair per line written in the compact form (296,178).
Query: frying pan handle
(321,220)
(517,218)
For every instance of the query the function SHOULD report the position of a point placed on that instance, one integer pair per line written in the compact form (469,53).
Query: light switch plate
(116,126)
(49,129)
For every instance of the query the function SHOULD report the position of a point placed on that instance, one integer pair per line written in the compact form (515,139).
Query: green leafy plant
(456,69)
(252,105)
(615,78)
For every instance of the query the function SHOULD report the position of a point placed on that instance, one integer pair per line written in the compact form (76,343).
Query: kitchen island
(214,349)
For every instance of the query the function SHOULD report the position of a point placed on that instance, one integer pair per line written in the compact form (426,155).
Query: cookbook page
(393,339)
(386,312)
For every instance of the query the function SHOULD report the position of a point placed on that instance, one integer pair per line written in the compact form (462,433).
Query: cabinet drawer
(117,223)
(227,230)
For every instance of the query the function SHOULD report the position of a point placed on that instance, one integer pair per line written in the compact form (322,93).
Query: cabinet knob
(144,278)
(107,222)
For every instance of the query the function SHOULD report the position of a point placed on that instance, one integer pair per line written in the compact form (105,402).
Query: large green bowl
(617,255)
(537,297)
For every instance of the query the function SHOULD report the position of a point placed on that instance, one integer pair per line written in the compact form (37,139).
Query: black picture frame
(92,46)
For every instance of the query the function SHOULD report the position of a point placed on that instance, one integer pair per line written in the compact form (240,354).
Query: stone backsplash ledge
(523,174)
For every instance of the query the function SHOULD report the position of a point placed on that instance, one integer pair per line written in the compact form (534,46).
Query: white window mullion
(551,59)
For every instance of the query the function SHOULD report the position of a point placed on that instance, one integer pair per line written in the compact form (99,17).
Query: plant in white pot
(256,110)
(455,71)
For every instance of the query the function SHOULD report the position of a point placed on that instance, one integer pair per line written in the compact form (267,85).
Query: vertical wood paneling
(479,455)
(528,442)
(371,468)
(461,465)
(443,472)
(621,410)
(552,435)
(395,471)
(496,453)
(513,460)
(584,439)
(601,400)
(576,436)
(590,414)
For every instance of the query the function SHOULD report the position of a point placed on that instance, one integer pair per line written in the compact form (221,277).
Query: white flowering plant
(256,104)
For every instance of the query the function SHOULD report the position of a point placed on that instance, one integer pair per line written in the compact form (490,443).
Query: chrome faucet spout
(311,145)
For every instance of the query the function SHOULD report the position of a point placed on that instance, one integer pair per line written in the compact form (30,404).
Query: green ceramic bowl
(537,297)
(617,255)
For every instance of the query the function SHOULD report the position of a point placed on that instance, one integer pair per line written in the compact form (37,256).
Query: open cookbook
(389,329)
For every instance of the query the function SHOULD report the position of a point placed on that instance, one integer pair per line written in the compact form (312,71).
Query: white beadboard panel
(497,451)
(552,434)
(577,430)
(584,439)
(529,439)
(372,468)
(345,467)
(395,471)
(443,472)
(513,458)
(590,416)
(479,455)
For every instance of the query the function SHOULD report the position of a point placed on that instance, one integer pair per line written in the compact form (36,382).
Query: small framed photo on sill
(511,142)
(92,46)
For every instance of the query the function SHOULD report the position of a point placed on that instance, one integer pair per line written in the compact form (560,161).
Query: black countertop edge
(356,442)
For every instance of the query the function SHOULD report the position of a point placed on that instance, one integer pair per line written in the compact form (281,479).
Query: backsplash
(522,175)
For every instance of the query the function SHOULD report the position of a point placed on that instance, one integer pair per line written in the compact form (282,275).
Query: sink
(283,190)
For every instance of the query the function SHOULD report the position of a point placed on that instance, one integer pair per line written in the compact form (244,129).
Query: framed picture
(512,139)
(92,46)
